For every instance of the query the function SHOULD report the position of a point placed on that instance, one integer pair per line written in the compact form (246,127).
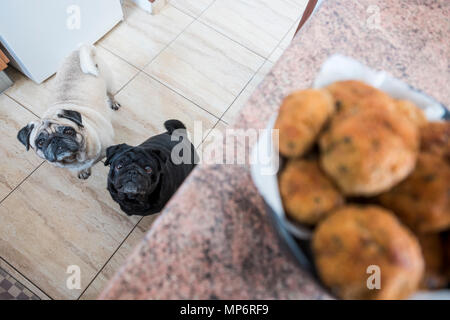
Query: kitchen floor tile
(54,220)
(146,104)
(34,97)
(192,7)
(256,24)
(205,67)
(118,259)
(122,72)
(141,36)
(237,105)
(17,163)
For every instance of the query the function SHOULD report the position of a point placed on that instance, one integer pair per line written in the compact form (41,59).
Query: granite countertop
(213,240)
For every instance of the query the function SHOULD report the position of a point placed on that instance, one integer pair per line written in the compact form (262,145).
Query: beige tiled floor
(205,67)
(193,8)
(256,24)
(198,60)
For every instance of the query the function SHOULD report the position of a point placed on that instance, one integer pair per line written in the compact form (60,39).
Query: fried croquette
(302,115)
(353,96)
(350,94)
(435,138)
(422,201)
(412,112)
(369,152)
(356,242)
(307,194)
(433,254)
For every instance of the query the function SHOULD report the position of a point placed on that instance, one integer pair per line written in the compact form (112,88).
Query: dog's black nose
(132,173)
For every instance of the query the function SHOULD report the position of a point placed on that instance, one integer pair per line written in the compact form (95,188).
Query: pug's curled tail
(88,62)
(172,125)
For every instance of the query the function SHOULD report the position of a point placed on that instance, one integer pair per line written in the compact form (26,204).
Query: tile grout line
(278,44)
(231,39)
(178,35)
(4,259)
(141,70)
(20,273)
(246,85)
(254,75)
(156,56)
(20,104)
(128,82)
(170,42)
(242,45)
(21,182)
(116,55)
(109,259)
(187,13)
(266,60)
(211,27)
(1,201)
(178,93)
(209,132)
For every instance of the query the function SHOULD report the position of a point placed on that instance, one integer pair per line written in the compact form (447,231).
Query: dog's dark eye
(148,169)
(69,131)
(40,143)
(119,166)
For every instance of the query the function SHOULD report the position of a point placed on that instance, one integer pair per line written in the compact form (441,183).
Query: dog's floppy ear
(114,151)
(24,135)
(74,116)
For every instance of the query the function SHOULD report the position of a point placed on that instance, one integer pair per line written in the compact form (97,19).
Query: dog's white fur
(83,84)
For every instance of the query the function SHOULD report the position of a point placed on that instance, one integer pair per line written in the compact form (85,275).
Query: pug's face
(58,140)
(133,177)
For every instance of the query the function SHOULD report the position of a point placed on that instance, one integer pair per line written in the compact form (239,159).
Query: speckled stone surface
(214,240)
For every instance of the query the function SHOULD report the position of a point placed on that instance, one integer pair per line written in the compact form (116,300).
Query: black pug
(142,179)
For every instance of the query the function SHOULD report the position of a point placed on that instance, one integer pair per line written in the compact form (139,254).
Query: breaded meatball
(376,102)
(435,138)
(302,115)
(433,254)
(422,201)
(351,95)
(369,152)
(353,238)
(411,111)
(307,194)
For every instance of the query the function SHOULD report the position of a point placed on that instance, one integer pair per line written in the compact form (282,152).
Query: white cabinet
(38,34)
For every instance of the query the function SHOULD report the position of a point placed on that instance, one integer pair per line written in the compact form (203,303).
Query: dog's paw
(84,174)
(115,105)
